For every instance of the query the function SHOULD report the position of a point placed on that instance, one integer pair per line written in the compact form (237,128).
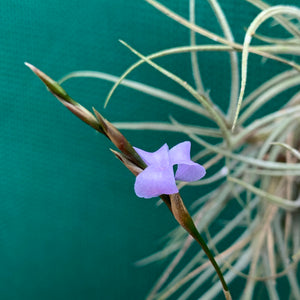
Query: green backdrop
(71,226)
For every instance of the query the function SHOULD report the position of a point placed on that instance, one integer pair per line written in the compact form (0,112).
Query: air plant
(258,161)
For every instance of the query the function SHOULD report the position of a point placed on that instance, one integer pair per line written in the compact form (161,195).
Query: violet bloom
(158,178)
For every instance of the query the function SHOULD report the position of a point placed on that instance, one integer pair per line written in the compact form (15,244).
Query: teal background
(71,226)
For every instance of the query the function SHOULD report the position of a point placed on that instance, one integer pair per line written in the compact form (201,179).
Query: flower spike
(154,171)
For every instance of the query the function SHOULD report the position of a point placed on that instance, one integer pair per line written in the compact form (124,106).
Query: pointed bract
(96,121)
(52,85)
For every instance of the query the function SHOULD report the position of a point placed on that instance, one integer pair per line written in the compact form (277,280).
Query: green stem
(185,220)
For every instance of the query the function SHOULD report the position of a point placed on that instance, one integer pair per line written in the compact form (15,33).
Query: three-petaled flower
(158,178)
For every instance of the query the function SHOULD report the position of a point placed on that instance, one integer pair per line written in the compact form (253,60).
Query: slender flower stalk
(150,168)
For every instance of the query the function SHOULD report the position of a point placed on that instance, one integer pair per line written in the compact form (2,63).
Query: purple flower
(158,178)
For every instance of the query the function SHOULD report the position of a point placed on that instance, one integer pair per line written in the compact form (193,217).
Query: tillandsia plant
(257,160)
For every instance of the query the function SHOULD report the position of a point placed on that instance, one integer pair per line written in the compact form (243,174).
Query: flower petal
(154,181)
(189,172)
(157,158)
(187,169)
(180,153)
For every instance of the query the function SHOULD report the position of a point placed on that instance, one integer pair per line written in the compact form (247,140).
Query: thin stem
(264,15)
(194,58)
(279,201)
(182,216)
(146,89)
(215,37)
(213,112)
(284,22)
(234,90)
(285,259)
(204,131)
(267,85)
